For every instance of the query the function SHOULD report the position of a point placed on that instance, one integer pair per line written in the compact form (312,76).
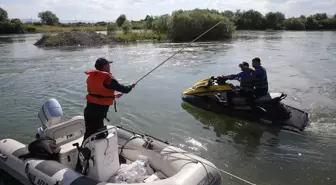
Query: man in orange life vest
(101,87)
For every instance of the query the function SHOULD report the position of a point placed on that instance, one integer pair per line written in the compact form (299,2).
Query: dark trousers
(249,97)
(260,92)
(94,116)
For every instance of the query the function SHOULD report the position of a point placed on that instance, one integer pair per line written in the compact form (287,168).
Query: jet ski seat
(270,97)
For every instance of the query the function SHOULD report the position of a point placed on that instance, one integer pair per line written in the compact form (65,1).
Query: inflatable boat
(217,95)
(113,156)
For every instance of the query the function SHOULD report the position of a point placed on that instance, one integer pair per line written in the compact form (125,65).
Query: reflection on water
(234,130)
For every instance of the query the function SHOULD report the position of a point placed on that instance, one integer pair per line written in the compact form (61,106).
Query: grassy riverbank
(55,29)
(141,36)
(92,38)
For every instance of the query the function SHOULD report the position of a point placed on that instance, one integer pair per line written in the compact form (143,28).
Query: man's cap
(256,59)
(100,62)
(244,64)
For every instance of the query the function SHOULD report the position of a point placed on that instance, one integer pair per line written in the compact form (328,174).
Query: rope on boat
(179,51)
(191,158)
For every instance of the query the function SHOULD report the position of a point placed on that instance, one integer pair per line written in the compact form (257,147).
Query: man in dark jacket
(101,86)
(260,78)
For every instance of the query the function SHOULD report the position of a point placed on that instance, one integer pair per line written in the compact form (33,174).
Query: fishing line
(179,51)
(221,170)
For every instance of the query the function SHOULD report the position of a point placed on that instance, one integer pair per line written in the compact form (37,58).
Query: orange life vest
(97,93)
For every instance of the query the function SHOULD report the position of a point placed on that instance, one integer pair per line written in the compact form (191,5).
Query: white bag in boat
(135,172)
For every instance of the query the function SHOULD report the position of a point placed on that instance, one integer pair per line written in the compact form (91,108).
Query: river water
(301,64)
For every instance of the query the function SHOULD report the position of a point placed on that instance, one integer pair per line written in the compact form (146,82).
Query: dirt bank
(75,38)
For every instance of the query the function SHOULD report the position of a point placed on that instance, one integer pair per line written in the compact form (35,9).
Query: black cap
(244,64)
(100,62)
(256,59)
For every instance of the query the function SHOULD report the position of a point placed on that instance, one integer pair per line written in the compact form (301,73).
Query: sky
(109,10)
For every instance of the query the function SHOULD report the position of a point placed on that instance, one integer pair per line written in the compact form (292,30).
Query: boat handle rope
(179,51)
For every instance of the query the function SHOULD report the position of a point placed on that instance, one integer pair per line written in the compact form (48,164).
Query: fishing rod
(178,51)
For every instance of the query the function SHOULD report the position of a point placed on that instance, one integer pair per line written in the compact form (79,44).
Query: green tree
(49,18)
(274,20)
(312,23)
(294,24)
(3,15)
(161,24)
(251,20)
(328,23)
(126,27)
(187,25)
(121,19)
(148,22)
(229,14)
(16,21)
(320,16)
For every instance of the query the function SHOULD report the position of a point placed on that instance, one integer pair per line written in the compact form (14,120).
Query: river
(301,64)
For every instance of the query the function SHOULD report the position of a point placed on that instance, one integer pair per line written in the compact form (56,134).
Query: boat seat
(66,134)
(67,131)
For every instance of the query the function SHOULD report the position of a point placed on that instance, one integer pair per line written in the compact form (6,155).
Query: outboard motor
(50,114)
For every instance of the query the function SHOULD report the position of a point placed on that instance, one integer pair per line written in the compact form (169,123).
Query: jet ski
(215,94)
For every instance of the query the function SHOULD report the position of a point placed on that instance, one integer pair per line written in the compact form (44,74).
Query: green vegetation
(126,27)
(67,28)
(187,25)
(121,19)
(12,26)
(180,25)
(92,38)
(111,28)
(48,18)
(3,15)
(140,36)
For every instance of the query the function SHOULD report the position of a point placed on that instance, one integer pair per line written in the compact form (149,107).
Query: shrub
(187,25)
(112,28)
(126,27)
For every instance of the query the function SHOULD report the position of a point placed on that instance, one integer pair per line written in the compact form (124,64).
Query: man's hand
(118,95)
(133,85)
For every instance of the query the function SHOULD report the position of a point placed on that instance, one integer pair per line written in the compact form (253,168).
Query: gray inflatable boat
(168,164)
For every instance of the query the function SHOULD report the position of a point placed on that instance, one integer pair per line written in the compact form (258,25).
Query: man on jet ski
(260,77)
(246,83)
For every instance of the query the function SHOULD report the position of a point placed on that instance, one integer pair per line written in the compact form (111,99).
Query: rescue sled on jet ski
(212,94)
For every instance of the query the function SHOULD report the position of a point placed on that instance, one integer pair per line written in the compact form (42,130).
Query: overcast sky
(109,10)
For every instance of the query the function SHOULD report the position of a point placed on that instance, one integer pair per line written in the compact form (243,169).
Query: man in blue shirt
(260,78)
(246,83)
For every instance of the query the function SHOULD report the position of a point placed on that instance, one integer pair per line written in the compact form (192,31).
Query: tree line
(183,25)
(15,25)
(254,20)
